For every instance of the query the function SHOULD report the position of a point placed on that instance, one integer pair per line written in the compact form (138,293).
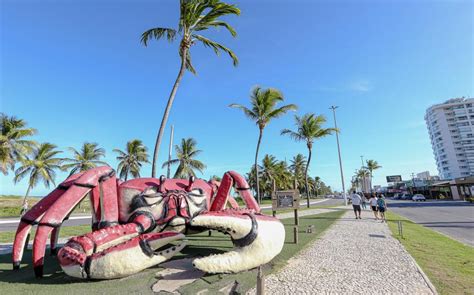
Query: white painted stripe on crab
(124,263)
(267,245)
(237,227)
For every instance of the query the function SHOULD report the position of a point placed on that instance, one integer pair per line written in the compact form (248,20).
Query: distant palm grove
(39,162)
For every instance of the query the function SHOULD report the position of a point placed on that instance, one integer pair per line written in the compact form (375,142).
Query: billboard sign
(394,178)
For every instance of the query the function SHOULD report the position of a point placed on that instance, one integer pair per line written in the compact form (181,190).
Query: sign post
(289,199)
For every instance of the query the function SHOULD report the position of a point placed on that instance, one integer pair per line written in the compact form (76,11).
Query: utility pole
(413,182)
(333,108)
(169,152)
(363,175)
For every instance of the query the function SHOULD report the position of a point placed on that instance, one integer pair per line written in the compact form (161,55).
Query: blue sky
(76,71)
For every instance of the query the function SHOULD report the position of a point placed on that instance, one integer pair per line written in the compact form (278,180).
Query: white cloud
(361,85)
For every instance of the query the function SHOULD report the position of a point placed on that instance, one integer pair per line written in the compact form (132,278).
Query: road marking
(15,221)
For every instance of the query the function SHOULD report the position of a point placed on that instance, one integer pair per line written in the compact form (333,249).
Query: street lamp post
(168,172)
(364,185)
(333,108)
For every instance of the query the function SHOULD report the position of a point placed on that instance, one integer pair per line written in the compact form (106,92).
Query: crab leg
(33,216)
(257,239)
(229,180)
(64,203)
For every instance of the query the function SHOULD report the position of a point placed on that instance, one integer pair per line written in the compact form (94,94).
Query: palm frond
(217,47)
(158,33)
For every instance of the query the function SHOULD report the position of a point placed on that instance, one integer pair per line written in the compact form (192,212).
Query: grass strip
(56,282)
(448,263)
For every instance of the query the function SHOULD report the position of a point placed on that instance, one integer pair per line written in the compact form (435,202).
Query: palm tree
(262,111)
(186,154)
(40,166)
(371,166)
(309,128)
(131,161)
(268,174)
(298,168)
(13,145)
(361,175)
(195,16)
(284,177)
(88,157)
(317,185)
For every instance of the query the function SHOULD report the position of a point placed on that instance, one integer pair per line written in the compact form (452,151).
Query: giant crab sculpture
(135,222)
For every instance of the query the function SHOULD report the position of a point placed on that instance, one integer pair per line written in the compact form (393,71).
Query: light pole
(169,152)
(333,108)
(363,175)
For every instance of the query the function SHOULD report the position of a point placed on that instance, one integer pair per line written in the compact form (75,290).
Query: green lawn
(10,206)
(449,264)
(56,282)
(66,231)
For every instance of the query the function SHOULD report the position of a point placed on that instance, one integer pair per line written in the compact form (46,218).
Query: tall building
(451,128)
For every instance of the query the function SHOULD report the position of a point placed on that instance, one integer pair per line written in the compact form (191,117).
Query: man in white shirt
(356,200)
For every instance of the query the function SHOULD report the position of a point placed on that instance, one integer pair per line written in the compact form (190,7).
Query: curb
(420,270)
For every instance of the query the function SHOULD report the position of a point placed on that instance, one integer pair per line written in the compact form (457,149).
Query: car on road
(418,197)
(406,197)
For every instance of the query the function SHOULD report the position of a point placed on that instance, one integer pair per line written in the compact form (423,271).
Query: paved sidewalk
(352,257)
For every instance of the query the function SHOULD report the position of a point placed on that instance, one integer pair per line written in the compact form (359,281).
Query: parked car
(418,197)
(406,197)
(396,196)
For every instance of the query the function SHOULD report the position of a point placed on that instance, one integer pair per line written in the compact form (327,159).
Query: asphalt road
(452,218)
(10,224)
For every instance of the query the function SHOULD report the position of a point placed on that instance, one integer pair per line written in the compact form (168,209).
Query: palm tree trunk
(26,195)
(306,176)
(167,110)
(256,165)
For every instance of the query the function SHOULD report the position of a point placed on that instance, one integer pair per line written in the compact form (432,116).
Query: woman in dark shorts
(373,205)
(382,207)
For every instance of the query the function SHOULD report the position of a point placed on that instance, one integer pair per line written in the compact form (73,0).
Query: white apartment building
(451,128)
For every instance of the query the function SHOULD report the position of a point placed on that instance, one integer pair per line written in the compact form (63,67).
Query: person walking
(382,207)
(373,205)
(356,200)
(364,202)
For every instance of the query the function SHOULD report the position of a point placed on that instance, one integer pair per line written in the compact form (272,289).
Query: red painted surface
(230,180)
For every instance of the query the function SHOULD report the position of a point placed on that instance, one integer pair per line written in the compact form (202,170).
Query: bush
(470,199)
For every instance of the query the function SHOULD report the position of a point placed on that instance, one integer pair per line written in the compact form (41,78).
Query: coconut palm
(298,168)
(262,110)
(13,143)
(268,174)
(185,158)
(372,165)
(88,157)
(284,177)
(40,166)
(309,129)
(132,159)
(361,175)
(195,17)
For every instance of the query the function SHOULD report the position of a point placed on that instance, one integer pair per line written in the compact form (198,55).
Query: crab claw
(257,239)
(77,260)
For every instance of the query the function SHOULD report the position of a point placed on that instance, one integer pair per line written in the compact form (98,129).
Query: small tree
(40,166)
(132,159)
(87,158)
(185,158)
